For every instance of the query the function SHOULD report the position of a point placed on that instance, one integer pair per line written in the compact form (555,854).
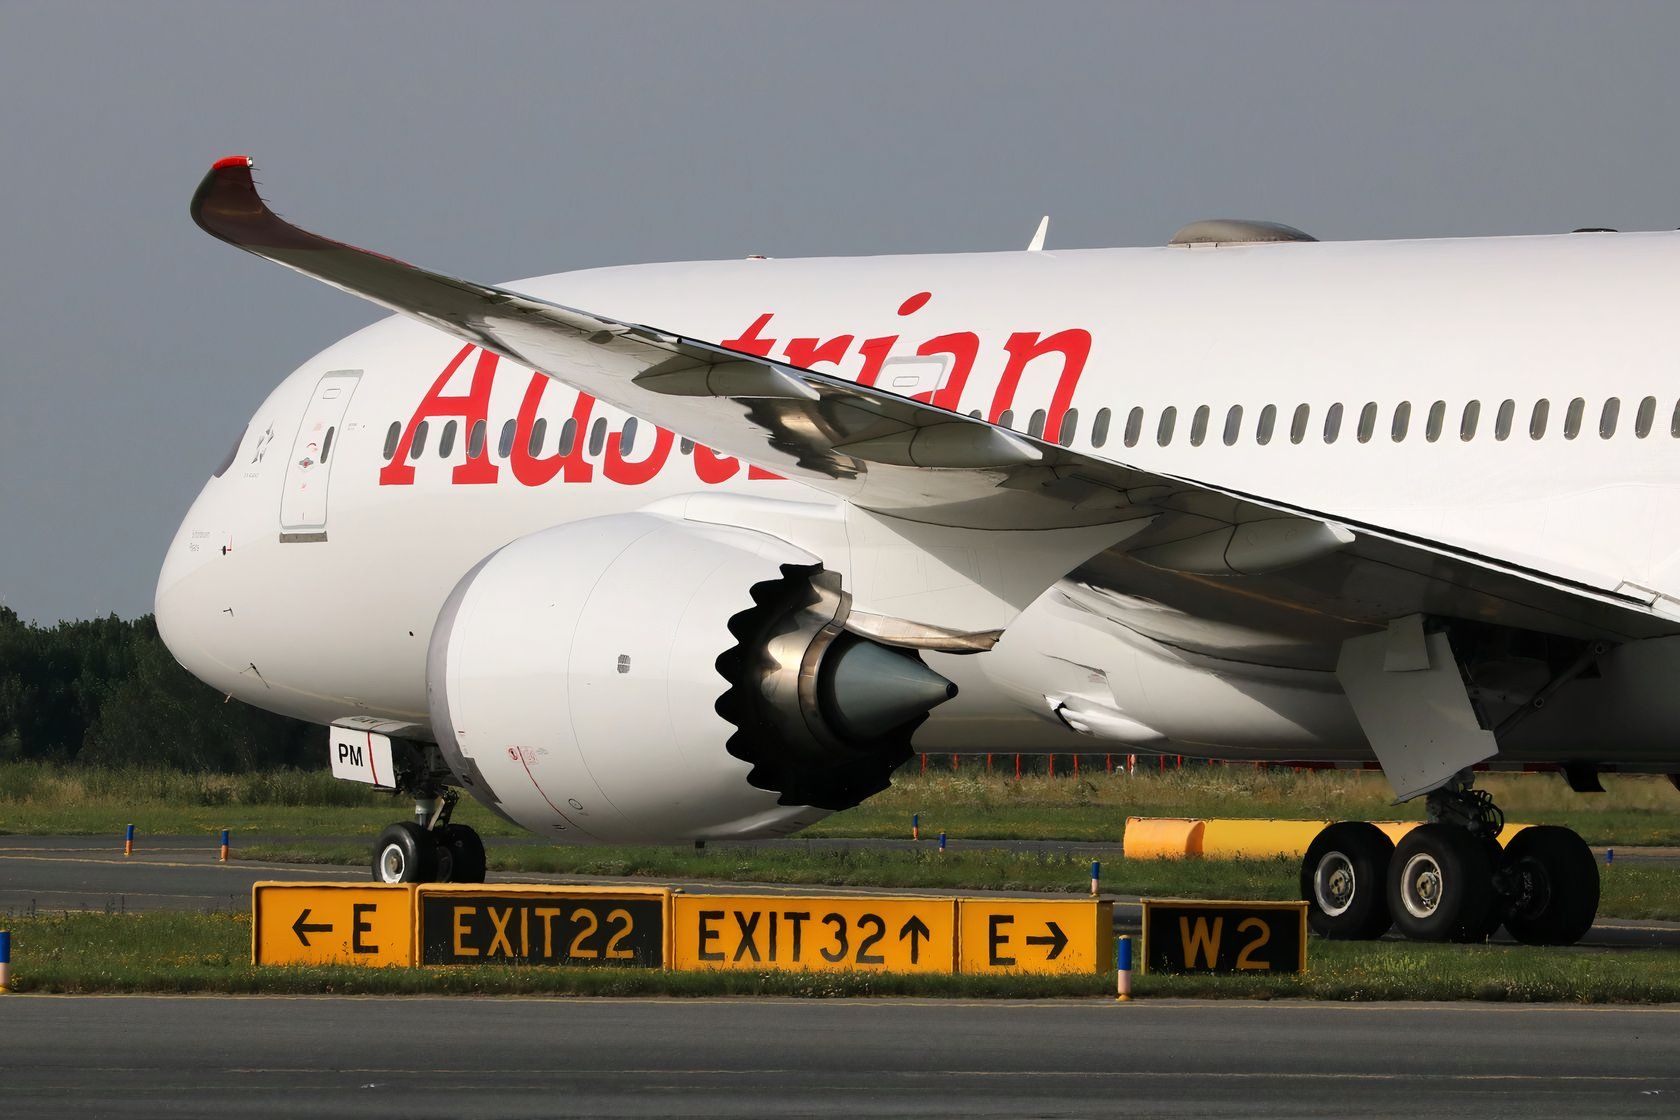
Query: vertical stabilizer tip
(1037,241)
(233,161)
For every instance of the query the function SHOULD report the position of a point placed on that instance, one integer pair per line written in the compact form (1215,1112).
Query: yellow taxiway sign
(332,923)
(793,933)
(1023,935)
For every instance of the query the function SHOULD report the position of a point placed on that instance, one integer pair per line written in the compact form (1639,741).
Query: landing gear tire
(460,855)
(405,853)
(1440,884)
(1344,882)
(1499,902)
(1554,886)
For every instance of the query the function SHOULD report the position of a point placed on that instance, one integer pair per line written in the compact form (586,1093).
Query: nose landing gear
(429,849)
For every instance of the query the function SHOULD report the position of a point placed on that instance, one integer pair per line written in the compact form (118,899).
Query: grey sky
(535,138)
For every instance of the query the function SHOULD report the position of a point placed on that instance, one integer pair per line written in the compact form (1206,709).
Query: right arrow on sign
(1056,939)
(917,931)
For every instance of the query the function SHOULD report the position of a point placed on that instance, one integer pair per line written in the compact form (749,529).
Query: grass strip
(972,804)
(1628,889)
(209,953)
(967,804)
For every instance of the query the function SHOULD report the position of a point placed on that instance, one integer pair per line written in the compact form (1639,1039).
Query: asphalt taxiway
(421,1057)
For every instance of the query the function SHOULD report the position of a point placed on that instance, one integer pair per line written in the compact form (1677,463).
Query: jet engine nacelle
(641,678)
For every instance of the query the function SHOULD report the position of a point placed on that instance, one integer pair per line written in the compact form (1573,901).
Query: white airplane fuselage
(306,578)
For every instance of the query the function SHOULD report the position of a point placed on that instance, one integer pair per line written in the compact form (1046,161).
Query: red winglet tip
(233,161)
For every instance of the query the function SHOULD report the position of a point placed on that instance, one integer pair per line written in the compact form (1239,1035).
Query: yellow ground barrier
(1261,839)
(1229,838)
(1161,838)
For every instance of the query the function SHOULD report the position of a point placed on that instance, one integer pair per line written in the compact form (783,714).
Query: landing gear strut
(429,849)
(1449,879)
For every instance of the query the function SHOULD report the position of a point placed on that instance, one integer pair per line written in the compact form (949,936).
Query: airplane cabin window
(1467,423)
(1332,423)
(1099,428)
(446,440)
(1134,426)
(1437,421)
(394,433)
(326,444)
(1035,426)
(1070,427)
(1198,426)
(598,436)
(539,431)
(1402,421)
(1502,419)
(1268,421)
(475,440)
(1646,416)
(686,447)
(1367,422)
(504,446)
(1164,430)
(1607,418)
(1572,418)
(1233,424)
(568,436)
(1674,422)
(1298,426)
(627,441)
(1008,419)
(1537,420)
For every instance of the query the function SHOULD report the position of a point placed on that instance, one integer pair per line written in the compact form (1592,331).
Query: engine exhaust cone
(867,690)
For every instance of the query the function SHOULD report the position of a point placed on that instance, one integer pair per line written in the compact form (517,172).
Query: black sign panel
(1184,936)
(541,929)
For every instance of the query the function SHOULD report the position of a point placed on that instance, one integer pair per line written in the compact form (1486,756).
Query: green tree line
(106,692)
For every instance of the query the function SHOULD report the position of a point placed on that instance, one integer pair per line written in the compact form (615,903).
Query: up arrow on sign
(299,928)
(916,930)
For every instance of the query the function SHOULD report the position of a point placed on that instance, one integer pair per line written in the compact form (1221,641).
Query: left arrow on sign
(299,928)
(1057,940)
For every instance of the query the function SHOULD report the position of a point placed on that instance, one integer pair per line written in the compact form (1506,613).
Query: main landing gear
(429,849)
(1449,879)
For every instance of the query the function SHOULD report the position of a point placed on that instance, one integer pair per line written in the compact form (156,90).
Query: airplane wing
(903,458)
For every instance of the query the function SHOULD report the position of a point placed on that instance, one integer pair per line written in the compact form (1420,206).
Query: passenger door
(303,503)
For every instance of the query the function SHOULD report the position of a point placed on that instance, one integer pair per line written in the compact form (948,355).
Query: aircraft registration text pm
(1184,935)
